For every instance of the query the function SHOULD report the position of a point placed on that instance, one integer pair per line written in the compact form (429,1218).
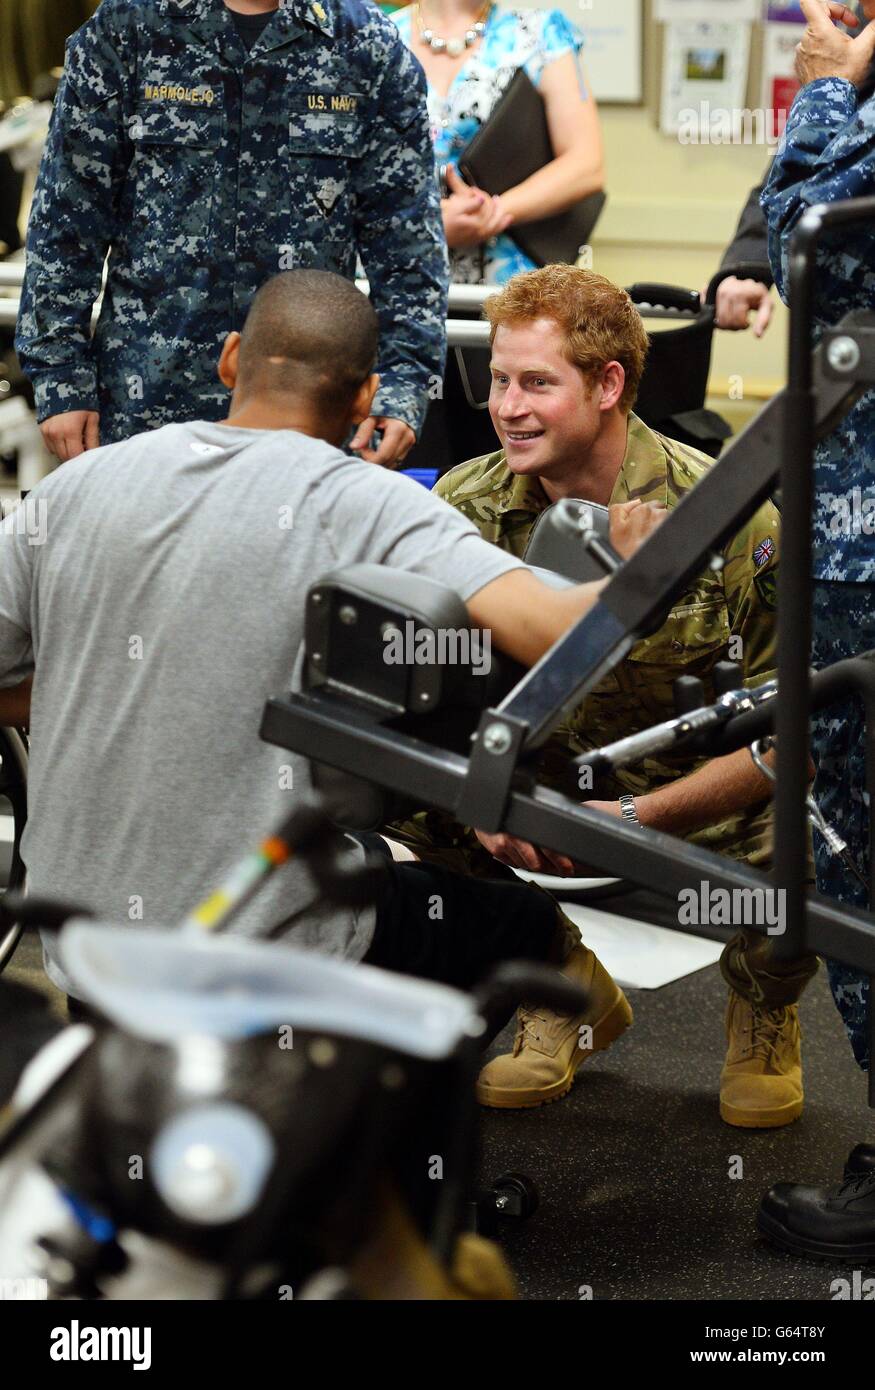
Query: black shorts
(454,928)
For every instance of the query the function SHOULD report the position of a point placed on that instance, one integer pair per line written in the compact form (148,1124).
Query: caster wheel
(515,1196)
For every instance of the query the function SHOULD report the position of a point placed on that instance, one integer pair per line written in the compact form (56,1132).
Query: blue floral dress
(513,39)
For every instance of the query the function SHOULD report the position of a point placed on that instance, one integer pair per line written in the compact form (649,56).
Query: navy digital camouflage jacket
(827,154)
(204,170)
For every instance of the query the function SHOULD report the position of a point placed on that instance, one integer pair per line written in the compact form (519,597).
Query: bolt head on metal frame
(843,354)
(348,615)
(497,738)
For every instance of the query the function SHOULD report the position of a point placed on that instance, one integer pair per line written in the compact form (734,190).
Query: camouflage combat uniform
(204,170)
(828,155)
(737,603)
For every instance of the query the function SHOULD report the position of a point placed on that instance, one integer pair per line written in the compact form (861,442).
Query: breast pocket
(172,189)
(316,225)
(690,642)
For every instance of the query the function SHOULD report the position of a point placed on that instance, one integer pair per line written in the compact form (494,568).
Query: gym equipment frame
(491,788)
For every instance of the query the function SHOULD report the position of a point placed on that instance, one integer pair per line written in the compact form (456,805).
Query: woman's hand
(470,215)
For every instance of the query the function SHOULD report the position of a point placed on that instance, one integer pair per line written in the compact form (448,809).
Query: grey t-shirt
(163,607)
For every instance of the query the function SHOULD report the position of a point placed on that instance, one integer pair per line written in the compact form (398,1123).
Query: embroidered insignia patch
(764,552)
(327,193)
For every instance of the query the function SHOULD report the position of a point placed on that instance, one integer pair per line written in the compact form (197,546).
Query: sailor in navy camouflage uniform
(204,169)
(828,155)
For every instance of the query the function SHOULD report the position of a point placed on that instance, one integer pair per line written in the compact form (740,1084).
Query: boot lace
(856,1183)
(529,1022)
(766,1029)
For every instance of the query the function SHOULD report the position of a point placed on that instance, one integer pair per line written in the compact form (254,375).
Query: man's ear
(361,406)
(229,362)
(613,384)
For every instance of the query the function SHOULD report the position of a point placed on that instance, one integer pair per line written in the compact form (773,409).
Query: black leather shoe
(825,1224)
(861,1160)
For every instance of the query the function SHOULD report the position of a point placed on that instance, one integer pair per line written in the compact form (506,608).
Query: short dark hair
(309,332)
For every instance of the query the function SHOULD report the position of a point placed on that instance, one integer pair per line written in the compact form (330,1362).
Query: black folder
(509,147)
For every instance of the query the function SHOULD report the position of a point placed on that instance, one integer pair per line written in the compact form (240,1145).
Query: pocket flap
(696,629)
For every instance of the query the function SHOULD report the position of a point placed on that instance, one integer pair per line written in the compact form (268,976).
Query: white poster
(733,11)
(704,77)
(613,52)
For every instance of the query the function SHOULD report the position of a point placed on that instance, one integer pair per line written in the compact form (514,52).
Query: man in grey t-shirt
(157,596)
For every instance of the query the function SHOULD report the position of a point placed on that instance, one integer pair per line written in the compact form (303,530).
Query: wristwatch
(627,809)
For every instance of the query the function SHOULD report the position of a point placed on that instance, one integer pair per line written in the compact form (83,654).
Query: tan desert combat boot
(761,1081)
(549,1047)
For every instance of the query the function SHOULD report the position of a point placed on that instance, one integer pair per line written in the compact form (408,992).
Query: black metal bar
(794,576)
(870,789)
(670,867)
(549,690)
(326,727)
(790,857)
(491,767)
(854,676)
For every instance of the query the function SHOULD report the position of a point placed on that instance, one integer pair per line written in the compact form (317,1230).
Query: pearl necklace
(454,48)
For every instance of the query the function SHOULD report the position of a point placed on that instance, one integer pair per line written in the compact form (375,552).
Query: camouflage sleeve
(750,579)
(73,216)
(445,487)
(401,241)
(827,154)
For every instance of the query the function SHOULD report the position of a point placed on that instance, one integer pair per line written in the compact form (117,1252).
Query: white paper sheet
(613,52)
(637,954)
(640,956)
(704,74)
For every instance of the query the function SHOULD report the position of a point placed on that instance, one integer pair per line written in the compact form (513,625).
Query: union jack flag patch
(764,552)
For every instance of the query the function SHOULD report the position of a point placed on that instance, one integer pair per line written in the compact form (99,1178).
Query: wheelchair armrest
(648,295)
